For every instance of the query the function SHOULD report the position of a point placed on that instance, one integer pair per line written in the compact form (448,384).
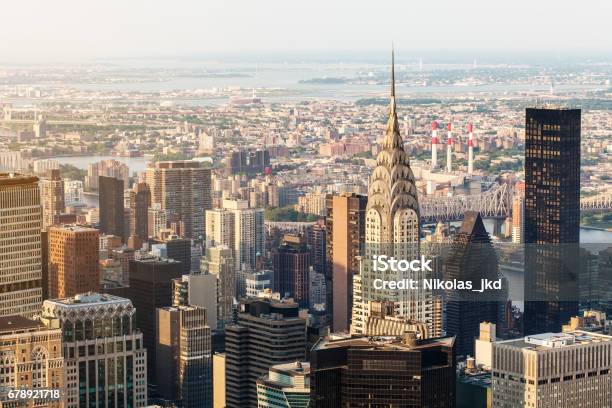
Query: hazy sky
(76,29)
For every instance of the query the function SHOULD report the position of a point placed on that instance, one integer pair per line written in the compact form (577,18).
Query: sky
(72,30)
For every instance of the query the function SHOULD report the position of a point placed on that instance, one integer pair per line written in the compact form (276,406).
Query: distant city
(205,234)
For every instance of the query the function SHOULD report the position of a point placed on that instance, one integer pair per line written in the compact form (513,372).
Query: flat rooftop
(17,323)
(381,343)
(88,299)
(546,341)
(12,179)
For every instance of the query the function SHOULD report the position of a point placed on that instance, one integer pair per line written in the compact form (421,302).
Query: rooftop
(9,179)
(382,342)
(295,368)
(16,323)
(88,299)
(547,341)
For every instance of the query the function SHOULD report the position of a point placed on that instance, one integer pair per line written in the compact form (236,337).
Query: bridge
(494,203)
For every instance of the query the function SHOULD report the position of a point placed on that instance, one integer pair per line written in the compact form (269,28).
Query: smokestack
(470,149)
(434,144)
(449,149)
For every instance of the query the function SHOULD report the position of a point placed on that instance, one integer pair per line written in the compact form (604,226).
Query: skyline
(49,32)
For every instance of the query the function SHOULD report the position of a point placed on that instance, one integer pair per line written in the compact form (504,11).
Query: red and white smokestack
(434,144)
(449,148)
(470,130)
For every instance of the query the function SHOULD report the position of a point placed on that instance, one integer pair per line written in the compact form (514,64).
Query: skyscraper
(112,215)
(360,371)
(219,262)
(104,357)
(180,250)
(140,200)
(552,217)
(291,266)
(345,226)
(184,358)
(562,370)
(151,288)
(20,245)
(52,197)
(266,333)
(392,229)
(73,260)
(182,188)
(471,258)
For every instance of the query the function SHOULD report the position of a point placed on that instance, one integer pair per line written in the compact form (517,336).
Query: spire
(392,140)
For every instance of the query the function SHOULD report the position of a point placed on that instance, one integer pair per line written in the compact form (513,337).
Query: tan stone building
(31,358)
(20,245)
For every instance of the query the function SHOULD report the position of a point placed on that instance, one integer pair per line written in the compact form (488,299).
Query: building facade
(52,196)
(20,245)
(105,362)
(112,214)
(285,386)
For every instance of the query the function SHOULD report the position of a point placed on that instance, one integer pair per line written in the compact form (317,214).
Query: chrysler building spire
(392,139)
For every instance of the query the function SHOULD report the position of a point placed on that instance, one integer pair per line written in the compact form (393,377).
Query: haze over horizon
(45,31)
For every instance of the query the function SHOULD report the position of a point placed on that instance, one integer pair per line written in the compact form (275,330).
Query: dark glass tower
(112,216)
(471,258)
(383,372)
(291,265)
(552,217)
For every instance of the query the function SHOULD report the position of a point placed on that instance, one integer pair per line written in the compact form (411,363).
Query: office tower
(112,216)
(20,245)
(158,221)
(52,197)
(180,250)
(285,385)
(518,218)
(471,257)
(552,217)
(151,288)
(483,345)
(291,265)
(219,262)
(184,356)
(73,193)
(104,357)
(73,260)
(392,229)
(219,380)
(315,239)
(266,333)
(249,234)
(345,225)
(368,372)
(124,256)
(182,188)
(28,347)
(206,144)
(140,200)
(219,227)
(202,291)
(562,370)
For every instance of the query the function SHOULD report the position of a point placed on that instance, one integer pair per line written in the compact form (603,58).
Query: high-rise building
(20,245)
(249,162)
(219,227)
(258,283)
(219,262)
(31,358)
(184,358)
(104,358)
(73,260)
(518,214)
(52,197)
(180,250)
(345,225)
(552,217)
(315,239)
(266,333)
(291,265)
(285,386)
(182,188)
(471,258)
(385,372)
(140,200)
(392,228)
(562,370)
(108,168)
(158,221)
(112,215)
(151,288)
